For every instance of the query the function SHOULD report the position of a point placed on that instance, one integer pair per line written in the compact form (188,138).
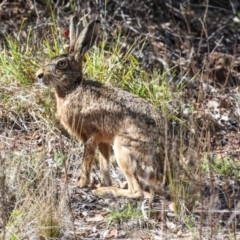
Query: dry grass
(39,162)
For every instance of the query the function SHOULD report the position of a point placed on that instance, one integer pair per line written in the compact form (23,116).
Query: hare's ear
(73,31)
(86,38)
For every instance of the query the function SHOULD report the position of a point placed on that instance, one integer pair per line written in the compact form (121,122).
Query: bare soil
(199,42)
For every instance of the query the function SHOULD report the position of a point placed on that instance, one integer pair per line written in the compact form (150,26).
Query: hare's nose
(40,75)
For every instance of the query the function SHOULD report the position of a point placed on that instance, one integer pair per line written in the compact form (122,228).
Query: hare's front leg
(88,156)
(104,149)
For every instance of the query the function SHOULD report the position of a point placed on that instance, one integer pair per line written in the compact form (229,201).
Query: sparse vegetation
(39,162)
(223,167)
(125,214)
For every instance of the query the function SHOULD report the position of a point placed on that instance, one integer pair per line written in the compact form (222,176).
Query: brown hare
(102,116)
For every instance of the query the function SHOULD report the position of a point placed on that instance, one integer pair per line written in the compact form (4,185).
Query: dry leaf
(96,218)
(171,225)
(179,233)
(171,206)
(111,233)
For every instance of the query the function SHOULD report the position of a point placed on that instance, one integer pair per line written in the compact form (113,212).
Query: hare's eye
(62,64)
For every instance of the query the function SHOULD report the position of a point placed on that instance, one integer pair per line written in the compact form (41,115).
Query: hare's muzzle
(40,75)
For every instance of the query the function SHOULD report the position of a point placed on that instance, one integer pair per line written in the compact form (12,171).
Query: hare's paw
(83,182)
(109,192)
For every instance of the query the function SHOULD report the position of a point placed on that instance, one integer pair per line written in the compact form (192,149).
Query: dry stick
(35,8)
(1,5)
(232,64)
(166,165)
(233,6)
(179,40)
(2,198)
(234,214)
(227,195)
(201,213)
(211,177)
(199,150)
(202,136)
(142,210)
(203,28)
(68,196)
(200,96)
(217,44)
(185,19)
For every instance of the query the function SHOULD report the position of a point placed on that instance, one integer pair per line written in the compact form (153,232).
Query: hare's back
(118,101)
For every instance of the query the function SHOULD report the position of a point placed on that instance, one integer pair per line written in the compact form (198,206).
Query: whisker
(60,84)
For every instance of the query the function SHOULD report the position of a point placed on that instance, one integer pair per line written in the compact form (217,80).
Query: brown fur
(102,116)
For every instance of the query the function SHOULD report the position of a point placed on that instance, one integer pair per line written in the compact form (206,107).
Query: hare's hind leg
(104,149)
(128,165)
(88,156)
